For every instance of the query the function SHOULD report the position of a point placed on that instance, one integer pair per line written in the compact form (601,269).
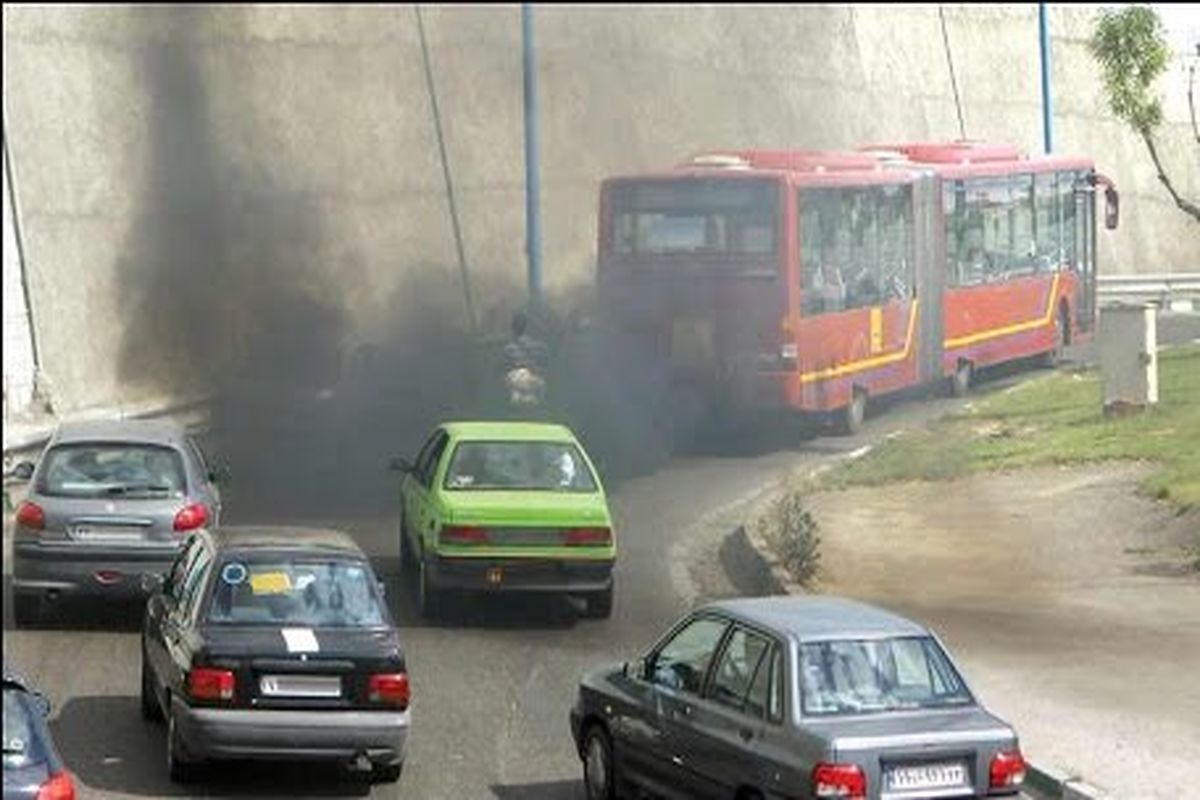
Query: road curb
(1060,785)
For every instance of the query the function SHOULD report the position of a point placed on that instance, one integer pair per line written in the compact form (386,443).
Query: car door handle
(746,733)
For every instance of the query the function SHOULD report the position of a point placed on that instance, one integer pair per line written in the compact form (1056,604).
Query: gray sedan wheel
(599,776)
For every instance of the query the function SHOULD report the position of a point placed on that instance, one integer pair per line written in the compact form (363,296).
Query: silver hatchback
(108,501)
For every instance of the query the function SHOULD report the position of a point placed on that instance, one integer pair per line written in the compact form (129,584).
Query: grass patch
(1055,419)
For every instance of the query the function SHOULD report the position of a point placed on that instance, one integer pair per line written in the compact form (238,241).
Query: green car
(506,506)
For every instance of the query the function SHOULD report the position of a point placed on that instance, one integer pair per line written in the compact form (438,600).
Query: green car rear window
(508,466)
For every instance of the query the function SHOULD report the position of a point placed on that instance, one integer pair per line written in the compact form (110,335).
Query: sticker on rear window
(234,574)
(270,583)
(300,640)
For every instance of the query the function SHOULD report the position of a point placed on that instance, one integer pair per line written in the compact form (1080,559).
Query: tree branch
(1185,205)
(1191,102)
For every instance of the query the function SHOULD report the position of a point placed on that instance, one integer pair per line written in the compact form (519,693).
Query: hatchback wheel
(27,610)
(599,776)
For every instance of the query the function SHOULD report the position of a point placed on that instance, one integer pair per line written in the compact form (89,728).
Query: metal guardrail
(1168,291)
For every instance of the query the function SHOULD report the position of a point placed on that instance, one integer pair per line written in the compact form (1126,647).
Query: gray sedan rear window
(861,677)
(128,470)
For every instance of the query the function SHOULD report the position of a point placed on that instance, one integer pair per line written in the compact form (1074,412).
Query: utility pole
(533,223)
(1047,104)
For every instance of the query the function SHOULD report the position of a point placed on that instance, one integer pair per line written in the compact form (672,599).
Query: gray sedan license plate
(300,686)
(926,776)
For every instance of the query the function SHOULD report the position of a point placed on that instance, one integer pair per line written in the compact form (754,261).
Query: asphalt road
(493,684)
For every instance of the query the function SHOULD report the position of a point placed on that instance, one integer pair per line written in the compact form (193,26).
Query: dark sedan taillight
(190,517)
(843,781)
(206,683)
(58,787)
(31,516)
(1007,770)
(389,689)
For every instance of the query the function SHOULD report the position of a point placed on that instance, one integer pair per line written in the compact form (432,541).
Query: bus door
(1085,247)
(930,258)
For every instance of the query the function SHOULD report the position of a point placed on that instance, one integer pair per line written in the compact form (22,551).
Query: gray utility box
(1128,356)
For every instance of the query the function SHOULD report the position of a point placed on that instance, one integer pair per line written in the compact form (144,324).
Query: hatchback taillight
(30,515)
(463,534)
(389,689)
(839,780)
(1007,770)
(587,537)
(58,787)
(192,516)
(206,683)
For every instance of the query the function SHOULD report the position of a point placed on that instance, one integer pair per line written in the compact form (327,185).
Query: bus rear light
(587,537)
(463,534)
(389,689)
(31,516)
(1007,770)
(206,683)
(845,781)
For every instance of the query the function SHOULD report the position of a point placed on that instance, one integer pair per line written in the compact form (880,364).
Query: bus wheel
(960,382)
(854,413)
(1062,336)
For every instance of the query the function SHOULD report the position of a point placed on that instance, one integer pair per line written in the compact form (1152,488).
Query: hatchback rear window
(506,466)
(127,470)
(330,593)
(861,677)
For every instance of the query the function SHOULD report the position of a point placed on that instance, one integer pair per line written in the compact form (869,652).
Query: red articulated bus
(812,281)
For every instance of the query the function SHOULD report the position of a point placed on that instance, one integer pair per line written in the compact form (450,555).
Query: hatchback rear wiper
(132,488)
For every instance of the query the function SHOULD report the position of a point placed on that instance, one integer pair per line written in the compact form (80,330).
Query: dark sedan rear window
(318,593)
(112,469)
(867,676)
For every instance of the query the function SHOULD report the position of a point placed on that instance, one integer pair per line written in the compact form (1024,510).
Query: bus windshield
(695,216)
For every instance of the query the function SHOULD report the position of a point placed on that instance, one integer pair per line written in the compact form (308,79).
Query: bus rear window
(695,216)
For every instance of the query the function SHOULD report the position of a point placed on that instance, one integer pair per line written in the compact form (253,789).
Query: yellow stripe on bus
(868,363)
(1018,327)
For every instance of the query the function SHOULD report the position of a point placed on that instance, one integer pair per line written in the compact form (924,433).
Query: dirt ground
(1069,601)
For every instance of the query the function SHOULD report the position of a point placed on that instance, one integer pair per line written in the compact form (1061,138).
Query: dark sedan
(33,769)
(275,643)
(792,697)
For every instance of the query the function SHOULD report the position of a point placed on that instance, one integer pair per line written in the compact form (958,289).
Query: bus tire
(1062,337)
(960,381)
(854,413)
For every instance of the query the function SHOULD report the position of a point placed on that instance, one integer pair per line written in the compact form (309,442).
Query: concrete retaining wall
(308,132)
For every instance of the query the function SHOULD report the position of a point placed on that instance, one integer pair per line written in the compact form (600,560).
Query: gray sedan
(792,697)
(107,502)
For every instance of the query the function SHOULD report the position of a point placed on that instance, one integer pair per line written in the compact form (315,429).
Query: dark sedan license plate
(926,776)
(495,576)
(300,686)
